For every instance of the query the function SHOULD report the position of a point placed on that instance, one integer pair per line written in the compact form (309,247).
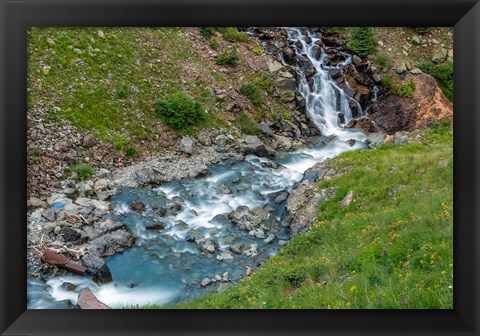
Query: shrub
(257,50)
(206,31)
(422,30)
(214,42)
(252,93)
(179,111)
(406,90)
(362,41)
(265,83)
(382,61)
(387,82)
(232,34)
(131,152)
(83,171)
(249,126)
(228,56)
(443,73)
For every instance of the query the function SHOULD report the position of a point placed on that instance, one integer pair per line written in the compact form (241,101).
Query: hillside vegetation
(390,248)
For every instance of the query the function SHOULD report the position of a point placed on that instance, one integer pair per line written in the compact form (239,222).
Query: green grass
(233,35)
(382,61)
(248,126)
(391,247)
(107,80)
(83,171)
(253,93)
(228,56)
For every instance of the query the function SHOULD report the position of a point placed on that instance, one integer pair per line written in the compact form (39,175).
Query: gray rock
(401,68)
(259,234)
(49,215)
(194,236)
(377,78)
(223,286)
(103,195)
(440,55)
(226,277)
(87,202)
(102,173)
(101,184)
(416,71)
(237,248)
(221,140)
(416,40)
(281,198)
(71,192)
(111,243)
(186,146)
(97,267)
(34,202)
(356,60)
(88,141)
(205,282)
(266,129)
(347,199)
(224,256)
(270,238)
(209,246)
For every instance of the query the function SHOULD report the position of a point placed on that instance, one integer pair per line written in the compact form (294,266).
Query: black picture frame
(17,15)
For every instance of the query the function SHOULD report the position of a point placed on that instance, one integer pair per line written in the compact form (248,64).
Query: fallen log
(62,262)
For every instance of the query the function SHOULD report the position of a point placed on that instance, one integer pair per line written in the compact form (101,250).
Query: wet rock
(224,256)
(253,145)
(281,198)
(270,238)
(194,236)
(205,282)
(288,55)
(334,73)
(283,142)
(209,246)
(226,277)
(97,268)
(155,226)
(306,66)
(237,248)
(259,234)
(68,286)
(137,206)
(87,300)
(253,251)
(186,145)
(88,141)
(363,123)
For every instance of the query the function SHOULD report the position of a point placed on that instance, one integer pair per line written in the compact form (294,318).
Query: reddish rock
(395,113)
(87,300)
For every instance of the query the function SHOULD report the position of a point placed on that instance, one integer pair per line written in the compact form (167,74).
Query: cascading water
(164,267)
(326,103)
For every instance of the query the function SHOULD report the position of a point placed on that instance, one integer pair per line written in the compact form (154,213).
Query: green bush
(422,30)
(253,93)
(232,34)
(362,41)
(214,42)
(83,171)
(179,111)
(131,152)
(249,126)
(206,31)
(265,83)
(228,56)
(443,73)
(406,90)
(387,82)
(382,61)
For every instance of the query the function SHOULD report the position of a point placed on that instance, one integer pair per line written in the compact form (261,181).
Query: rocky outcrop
(394,113)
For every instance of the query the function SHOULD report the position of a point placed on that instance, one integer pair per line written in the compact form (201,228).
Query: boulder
(363,123)
(97,268)
(88,141)
(288,55)
(221,140)
(393,113)
(186,145)
(356,60)
(237,248)
(88,300)
(155,226)
(266,129)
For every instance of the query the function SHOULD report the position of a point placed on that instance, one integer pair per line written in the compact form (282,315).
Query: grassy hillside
(390,248)
(107,80)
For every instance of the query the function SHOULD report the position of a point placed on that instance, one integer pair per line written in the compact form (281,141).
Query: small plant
(265,83)
(206,31)
(252,93)
(422,30)
(228,56)
(382,61)
(214,42)
(36,152)
(131,152)
(362,41)
(257,50)
(233,35)
(179,111)
(406,90)
(387,82)
(83,171)
(249,126)
(122,92)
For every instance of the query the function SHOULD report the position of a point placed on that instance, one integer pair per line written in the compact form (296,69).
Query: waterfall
(325,101)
